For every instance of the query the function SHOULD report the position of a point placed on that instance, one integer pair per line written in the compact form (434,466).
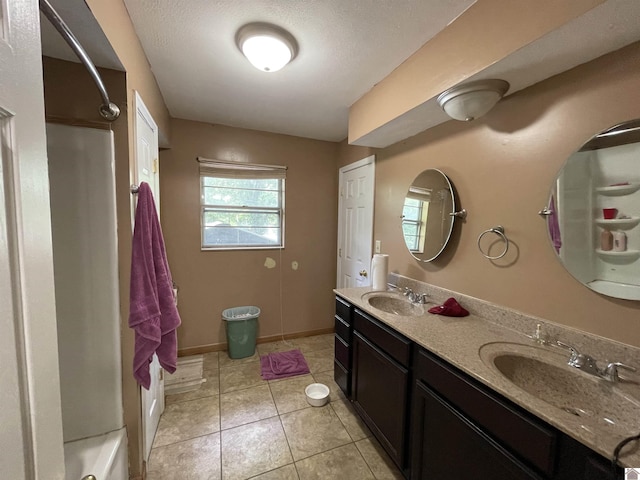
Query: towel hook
(545,212)
(498,230)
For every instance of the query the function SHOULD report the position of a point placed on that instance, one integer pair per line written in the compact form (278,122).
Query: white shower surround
(580,202)
(84,231)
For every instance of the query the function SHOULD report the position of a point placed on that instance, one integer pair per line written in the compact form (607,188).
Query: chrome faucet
(579,360)
(588,364)
(414,297)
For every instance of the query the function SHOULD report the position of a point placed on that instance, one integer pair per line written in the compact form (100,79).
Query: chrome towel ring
(498,230)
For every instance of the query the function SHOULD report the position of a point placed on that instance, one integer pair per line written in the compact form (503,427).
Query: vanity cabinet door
(447,446)
(379,393)
(342,356)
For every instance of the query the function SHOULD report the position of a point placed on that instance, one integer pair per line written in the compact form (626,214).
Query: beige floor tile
(224,361)
(210,387)
(210,363)
(351,420)
(288,393)
(320,360)
(335,393)
(195,458)
(245,406)
(340,463)
(317,342)
(279,346)
(185,420)
(253,449)
(313,430)
(241,376)
(288,472)
(379,462)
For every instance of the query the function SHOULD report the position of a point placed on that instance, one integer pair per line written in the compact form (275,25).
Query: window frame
(240,171)
(420,223)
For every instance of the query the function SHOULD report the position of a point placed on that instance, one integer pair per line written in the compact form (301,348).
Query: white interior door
(355,223)
(30,413)
(147,170)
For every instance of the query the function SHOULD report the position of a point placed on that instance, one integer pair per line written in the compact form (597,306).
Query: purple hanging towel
(152,309)
(554,226)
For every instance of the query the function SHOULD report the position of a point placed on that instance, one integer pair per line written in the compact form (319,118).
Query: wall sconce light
(472,100)
(266,46)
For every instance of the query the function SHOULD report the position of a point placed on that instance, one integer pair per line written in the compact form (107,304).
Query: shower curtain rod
(108,109)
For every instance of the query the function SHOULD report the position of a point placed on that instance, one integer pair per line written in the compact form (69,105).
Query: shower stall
(83,218)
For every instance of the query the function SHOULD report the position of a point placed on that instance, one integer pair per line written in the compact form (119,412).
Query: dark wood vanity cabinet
(381,382)
(438,423)
(343,327)
(461,429)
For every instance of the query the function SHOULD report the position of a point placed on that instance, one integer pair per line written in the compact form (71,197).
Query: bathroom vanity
(420,384)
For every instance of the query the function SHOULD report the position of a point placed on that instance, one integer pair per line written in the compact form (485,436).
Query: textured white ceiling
(346,47)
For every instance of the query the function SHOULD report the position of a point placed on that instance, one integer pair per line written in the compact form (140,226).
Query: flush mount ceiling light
(267,47)
(472,100)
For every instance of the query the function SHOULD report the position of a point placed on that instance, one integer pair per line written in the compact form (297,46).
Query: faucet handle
(575,354)
(611,371)
(422,298)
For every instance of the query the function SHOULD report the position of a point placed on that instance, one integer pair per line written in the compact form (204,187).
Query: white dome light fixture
(472,100)
(266,46)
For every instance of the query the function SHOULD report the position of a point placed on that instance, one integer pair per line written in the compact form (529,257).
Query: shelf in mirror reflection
(620,223)
(625,254)
(615,190)
(614,289)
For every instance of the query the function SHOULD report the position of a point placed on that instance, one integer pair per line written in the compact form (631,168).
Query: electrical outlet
(378,246)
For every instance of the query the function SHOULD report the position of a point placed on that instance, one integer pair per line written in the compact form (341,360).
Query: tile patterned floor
(238,426)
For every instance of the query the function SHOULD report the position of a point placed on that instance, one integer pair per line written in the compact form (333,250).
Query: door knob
(363,273)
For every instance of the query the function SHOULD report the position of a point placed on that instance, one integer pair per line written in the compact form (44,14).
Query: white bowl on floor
(317,394)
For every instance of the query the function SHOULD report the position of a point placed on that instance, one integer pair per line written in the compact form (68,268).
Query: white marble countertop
(458,340)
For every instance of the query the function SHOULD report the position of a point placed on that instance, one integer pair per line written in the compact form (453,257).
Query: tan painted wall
(211,281)
(485,33)
(113,17)
(502,167)
(348,154)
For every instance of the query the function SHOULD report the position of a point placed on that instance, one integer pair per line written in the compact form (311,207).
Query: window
(414,218)
(242,205)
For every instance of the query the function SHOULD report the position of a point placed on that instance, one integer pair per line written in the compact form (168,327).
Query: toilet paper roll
(379,271)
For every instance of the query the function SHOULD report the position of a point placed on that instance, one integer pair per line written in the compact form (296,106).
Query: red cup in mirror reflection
(609,213)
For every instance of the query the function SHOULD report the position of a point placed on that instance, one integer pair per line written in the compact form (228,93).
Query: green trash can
(242,329)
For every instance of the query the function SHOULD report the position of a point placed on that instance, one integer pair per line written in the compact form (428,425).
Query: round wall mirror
(593,214)
(428,215)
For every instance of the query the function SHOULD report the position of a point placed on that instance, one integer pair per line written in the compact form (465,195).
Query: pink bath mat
(283,364)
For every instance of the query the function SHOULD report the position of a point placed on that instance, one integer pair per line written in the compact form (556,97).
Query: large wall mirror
(428,215)
(593,213)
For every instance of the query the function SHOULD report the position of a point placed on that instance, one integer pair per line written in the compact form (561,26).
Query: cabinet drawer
(395,345)
(342,329)
(342,352)
(343,310)
(524,434)
(342,378)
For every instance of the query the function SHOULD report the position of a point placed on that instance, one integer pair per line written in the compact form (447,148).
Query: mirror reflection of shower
(593,214)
